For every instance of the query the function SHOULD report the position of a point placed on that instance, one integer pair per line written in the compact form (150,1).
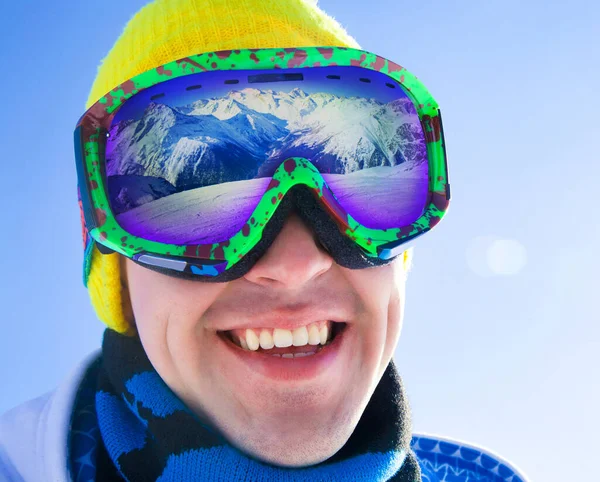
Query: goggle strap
(86,202)
(104,249)
(445,156)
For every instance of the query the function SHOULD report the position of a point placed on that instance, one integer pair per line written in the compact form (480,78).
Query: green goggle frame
(212,259)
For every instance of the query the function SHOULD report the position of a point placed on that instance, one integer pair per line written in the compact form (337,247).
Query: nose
(294,259)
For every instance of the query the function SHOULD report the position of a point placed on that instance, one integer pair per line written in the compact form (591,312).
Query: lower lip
(288,369)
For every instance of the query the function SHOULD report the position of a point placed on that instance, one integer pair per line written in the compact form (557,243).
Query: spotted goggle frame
(211,257)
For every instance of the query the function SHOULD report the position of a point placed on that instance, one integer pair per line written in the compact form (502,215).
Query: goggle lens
(188,160)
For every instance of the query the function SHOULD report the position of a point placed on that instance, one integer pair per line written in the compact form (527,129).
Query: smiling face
(288,411)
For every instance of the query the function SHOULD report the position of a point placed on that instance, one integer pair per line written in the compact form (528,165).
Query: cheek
(379,288)
(383,291)
(396,301)
(160,302)
(150,297)
(396,312)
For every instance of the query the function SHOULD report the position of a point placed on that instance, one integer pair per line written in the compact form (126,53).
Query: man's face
(285,411)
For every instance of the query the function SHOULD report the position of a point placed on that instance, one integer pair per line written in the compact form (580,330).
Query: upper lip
(288,321)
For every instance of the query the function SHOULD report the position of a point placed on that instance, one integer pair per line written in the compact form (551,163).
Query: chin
(304,454)
(287,446)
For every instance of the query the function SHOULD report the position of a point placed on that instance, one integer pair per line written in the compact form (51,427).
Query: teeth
(282,338)
(252,340)
(300,336)
(300,355)
(313,335)
(323,332)
(266,338)
(297,355)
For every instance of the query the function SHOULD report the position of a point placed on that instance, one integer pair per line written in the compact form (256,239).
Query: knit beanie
(166,30)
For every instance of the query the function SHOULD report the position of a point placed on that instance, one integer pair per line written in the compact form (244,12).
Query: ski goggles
(191,167)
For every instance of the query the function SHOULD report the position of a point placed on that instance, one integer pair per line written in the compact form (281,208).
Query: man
(249,180)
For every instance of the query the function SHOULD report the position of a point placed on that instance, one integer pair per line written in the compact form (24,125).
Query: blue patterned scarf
(149,434)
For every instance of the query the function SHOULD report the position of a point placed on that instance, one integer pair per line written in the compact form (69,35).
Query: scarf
(149,434)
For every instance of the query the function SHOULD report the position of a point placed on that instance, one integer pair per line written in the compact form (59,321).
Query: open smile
(287,354)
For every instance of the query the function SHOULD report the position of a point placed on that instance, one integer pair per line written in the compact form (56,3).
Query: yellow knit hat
(167,30)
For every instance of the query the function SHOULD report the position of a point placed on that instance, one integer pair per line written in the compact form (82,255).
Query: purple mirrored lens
(188,160)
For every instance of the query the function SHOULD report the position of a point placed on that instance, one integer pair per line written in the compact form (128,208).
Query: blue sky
(501,337)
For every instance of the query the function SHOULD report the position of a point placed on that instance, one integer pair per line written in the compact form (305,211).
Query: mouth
(272,342)
(300,357)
